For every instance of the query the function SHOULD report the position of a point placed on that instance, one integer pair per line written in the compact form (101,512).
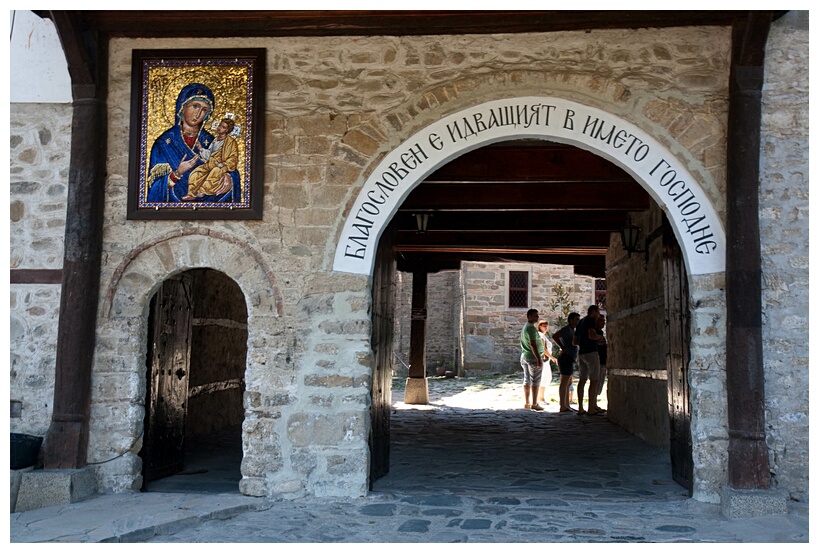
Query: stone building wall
(491,328)
(40,140)
(403,306)
(443,299)
(336,106)
(636,337)
(637,378)
(783,219)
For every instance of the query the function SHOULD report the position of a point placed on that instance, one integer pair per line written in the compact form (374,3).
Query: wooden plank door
(383,316)
(169,357)
(678,328)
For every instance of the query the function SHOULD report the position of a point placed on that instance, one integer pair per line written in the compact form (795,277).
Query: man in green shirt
(531,359)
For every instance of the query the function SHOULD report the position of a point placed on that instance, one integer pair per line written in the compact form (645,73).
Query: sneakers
(527,406)
(537,407)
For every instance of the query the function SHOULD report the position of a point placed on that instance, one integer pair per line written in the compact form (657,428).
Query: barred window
(518,288)
(600,293)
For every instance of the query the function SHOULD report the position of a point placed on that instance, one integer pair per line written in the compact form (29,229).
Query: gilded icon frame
(196,141)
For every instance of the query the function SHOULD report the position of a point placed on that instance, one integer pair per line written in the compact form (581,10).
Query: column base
(416,391)
(752,503)
(44,488)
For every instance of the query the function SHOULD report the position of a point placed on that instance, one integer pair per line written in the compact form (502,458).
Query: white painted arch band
(694,219)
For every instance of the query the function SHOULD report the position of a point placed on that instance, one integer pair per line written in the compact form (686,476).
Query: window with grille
(600,293)
(519,289)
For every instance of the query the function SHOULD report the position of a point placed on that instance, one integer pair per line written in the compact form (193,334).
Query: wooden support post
(66,442)
(748,464)
(418,328)
(416,391)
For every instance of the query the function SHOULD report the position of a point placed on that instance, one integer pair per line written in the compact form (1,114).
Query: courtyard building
(402,172)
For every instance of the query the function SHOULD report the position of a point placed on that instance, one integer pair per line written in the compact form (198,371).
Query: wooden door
(677,357)
(383,314)
(169,366)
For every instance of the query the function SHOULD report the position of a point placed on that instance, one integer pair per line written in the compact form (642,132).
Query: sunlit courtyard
(492,392)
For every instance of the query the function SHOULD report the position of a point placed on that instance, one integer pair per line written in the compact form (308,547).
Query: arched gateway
(693,217)
(690,214)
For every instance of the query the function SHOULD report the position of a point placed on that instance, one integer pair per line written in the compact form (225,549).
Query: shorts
(589,366)
(531,372)
(566,365)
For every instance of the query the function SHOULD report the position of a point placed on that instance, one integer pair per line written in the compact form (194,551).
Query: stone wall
(335,107)
(636,336)
(443,299)
(491,328)
(638,396)
(403,305)
(783,219)
(40,140)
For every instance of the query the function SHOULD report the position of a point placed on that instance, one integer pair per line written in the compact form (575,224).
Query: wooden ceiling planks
(270,23)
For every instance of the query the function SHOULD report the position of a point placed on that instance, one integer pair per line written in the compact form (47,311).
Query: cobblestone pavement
(471,467)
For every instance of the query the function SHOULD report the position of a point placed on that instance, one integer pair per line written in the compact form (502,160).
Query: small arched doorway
(195,366)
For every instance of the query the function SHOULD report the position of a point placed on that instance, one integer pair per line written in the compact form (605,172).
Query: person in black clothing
(602,351)
(564,338)
(587,340)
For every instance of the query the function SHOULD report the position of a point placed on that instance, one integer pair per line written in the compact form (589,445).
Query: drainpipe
(66,442)
(748,464)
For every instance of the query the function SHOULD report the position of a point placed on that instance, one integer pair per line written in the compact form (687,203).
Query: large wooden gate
(678,327)
(383,315)
(167,379)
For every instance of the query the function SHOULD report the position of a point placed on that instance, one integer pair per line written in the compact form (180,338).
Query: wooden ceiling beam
(528,196)
(593,266)
(530,239)
(522,161)
(258,23)
(503,250)
(503,221)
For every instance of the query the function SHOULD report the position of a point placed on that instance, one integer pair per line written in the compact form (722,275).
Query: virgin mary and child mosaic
(196,142)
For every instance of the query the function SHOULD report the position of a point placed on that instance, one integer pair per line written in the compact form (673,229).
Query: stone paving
(471,467)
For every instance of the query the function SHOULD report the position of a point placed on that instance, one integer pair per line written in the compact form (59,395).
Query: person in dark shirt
(566,360)
(588,358)
(602,350)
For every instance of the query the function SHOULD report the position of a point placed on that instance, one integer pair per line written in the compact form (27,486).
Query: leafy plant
(561,303)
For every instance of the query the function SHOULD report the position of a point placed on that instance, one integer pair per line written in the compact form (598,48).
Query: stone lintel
(416,391)
(752,503)
(45,488)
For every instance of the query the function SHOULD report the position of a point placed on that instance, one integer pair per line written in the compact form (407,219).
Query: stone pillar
(417,391)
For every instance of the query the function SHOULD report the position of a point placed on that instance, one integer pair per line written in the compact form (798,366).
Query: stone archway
(120,359)
(195,382)
(694,220)
(692,216)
